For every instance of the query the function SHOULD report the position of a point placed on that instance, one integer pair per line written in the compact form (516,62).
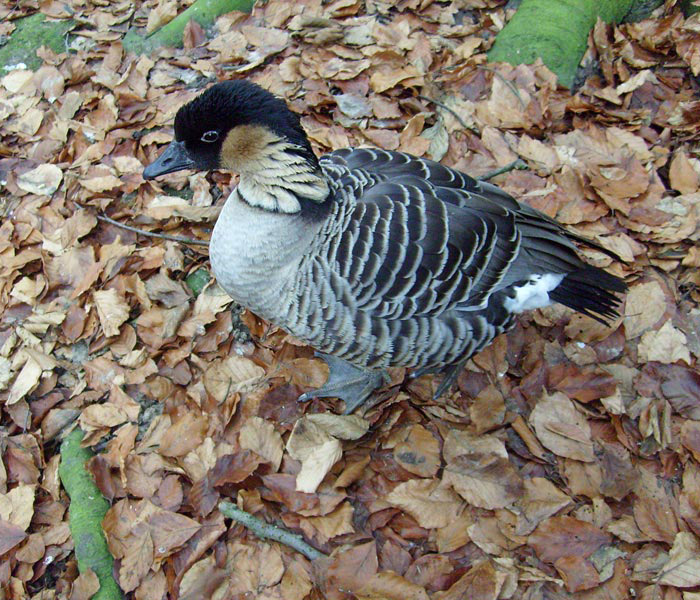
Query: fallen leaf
(313,445)
(112,310)
(43,180)
(388,585)
(484,480)
(566,537)
(683,567)
(561,428)
(667,345)
(481,581)
(429,502)
(684,178)
(645,305)
(418,452)
(260,436)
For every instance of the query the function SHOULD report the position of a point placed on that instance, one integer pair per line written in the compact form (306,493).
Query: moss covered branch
(87,509)
(29,35)
(203,12)
(556,31)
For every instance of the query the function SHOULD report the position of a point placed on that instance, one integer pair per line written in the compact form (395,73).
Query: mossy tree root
(555,31)
(87,509)
(203,12)
(29,35)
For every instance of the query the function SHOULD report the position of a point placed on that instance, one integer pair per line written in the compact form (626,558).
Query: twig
(516,164)
(270,532)
(164,236)
(460,120)
(506,82)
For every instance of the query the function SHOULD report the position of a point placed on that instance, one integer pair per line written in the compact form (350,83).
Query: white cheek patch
(534,294)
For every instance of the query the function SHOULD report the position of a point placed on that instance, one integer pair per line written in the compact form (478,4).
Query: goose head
(239,126)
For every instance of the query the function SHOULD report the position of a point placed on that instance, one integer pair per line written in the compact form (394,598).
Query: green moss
(555,31)
(30,34)
(87,510)
(203,12)
(197,280)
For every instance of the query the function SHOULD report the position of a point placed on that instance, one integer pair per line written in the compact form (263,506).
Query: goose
(374,258)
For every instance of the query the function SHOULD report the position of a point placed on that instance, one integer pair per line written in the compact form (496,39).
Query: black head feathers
(203,123)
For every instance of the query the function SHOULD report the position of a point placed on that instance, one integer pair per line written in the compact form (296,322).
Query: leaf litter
(563,465)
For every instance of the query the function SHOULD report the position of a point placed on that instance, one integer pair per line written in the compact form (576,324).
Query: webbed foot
(351,384)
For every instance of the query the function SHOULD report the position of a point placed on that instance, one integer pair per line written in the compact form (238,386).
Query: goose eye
(210,136)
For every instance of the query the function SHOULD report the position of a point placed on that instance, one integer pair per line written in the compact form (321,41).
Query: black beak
(174,158)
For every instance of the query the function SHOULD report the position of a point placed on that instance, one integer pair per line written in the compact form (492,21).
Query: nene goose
(374,258)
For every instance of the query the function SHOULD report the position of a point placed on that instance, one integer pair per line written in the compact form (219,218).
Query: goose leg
(451,373)
(351,384)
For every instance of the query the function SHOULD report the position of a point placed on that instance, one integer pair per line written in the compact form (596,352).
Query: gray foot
(351,384)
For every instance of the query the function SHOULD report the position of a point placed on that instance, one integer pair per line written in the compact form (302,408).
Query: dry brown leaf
(85,586)
(335,523)
(17,506)
(683,567)
(541,499)
(561,428)
(112,310)
(388,585)
(387,78)
(260,436)
(655,508)
(667,345)
(484,480)
(482,581)
(578,573)
(488,409)
(560,537)
(418,452)
(184,435)
(231,375)
(27,379)
(253,567)
(429,502)
(684,178)
(164,12)
(645,305)
(43,180)
(318,451)
(345,427)
(347,569)
(10,535)
(296,581)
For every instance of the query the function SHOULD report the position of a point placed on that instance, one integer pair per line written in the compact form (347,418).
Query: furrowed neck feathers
(275,174)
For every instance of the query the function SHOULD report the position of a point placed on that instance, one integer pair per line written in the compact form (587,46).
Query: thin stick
(164,236)
(461,121)
(516,164)
(270,532)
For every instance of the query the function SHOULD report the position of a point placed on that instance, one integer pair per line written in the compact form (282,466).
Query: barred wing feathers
(424,239)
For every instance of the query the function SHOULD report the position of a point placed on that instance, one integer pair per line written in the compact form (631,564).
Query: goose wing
(424,239)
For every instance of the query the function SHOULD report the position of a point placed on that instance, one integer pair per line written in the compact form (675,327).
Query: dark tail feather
(590,291)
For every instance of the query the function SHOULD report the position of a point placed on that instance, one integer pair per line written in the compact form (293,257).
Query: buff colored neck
(272,178)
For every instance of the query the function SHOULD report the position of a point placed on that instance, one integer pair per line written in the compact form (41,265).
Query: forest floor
(565,464)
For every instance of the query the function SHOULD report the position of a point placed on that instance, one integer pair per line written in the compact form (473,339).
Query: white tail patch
(534,294)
